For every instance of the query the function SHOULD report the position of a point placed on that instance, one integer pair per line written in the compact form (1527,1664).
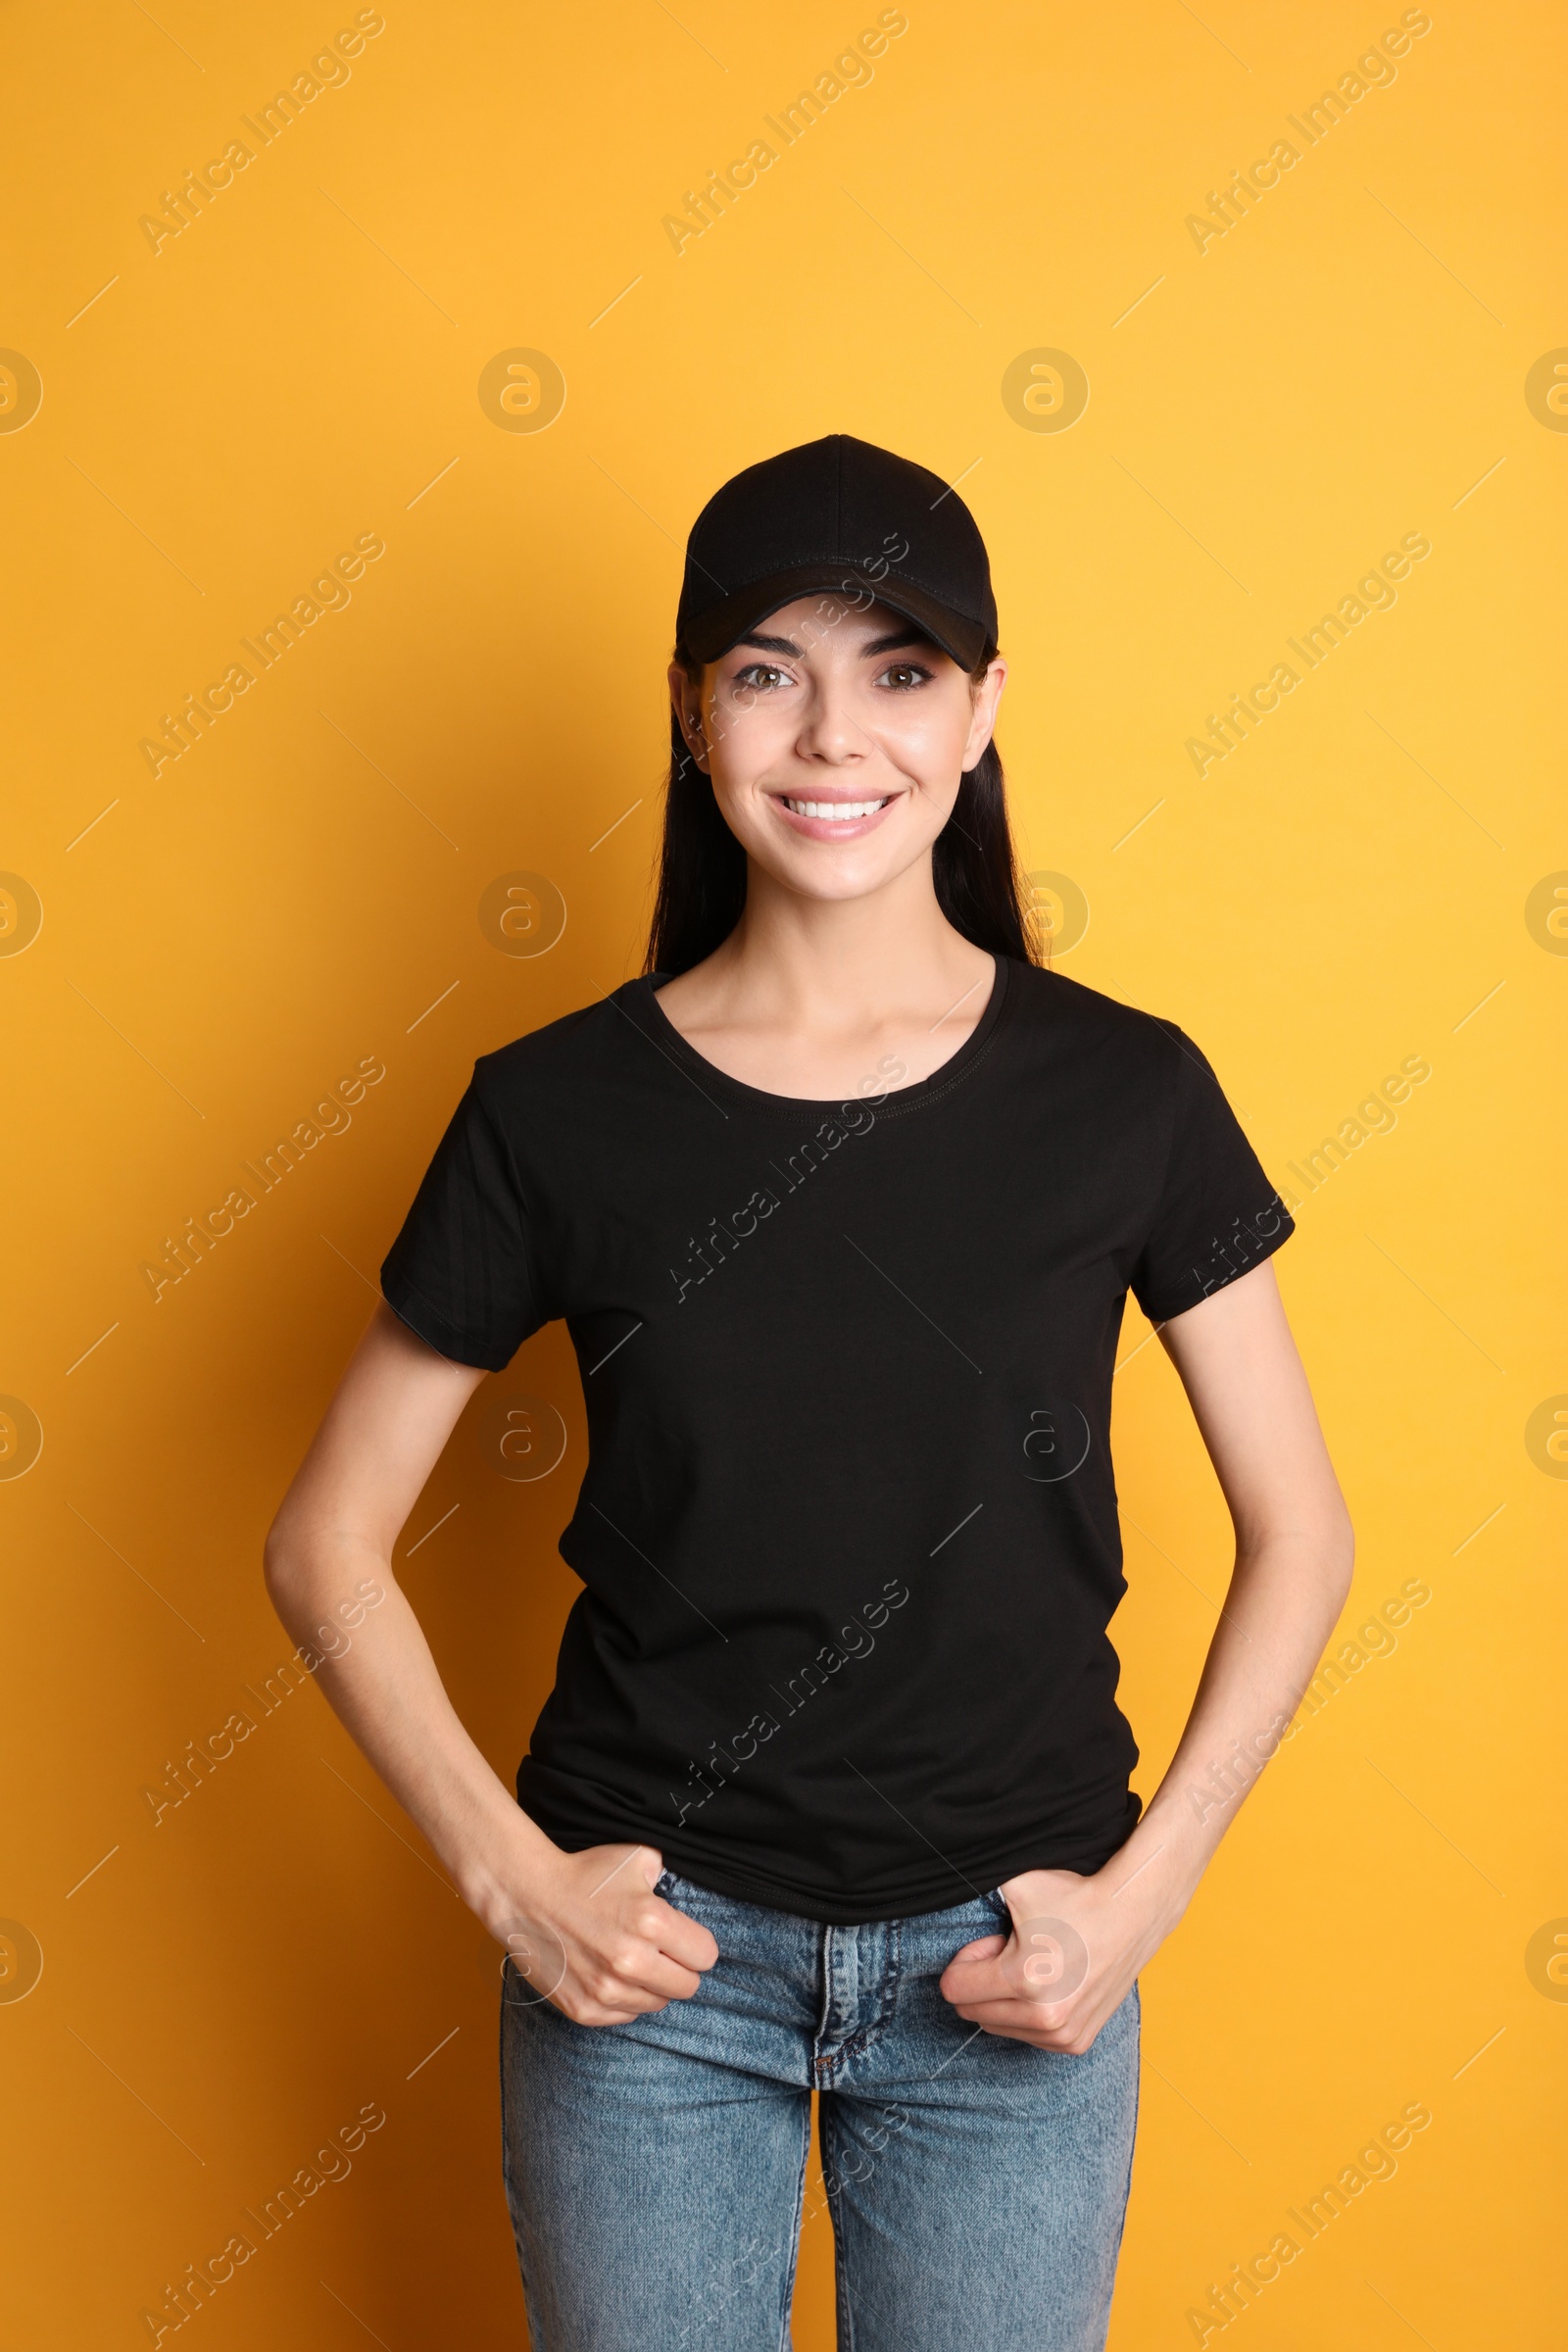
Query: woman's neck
(826,991)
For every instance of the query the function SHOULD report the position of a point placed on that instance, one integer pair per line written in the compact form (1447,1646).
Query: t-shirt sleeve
(459,1271)
(1217,1215)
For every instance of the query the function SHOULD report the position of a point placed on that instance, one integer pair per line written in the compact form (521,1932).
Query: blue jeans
(656,2170)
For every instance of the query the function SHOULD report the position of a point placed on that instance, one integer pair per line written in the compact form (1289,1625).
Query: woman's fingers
(984,1947)
(682,1939)
(974,1973)
(629,1951)
(586,2012)
(651,1972)
(1031,2014)
(1027,2021)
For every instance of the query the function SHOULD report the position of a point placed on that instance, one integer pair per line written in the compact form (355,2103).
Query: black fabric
(848,1532)
(843,514)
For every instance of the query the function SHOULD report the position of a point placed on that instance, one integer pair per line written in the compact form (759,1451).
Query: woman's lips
(801,812)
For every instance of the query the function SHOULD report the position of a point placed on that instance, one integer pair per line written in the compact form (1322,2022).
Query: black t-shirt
(848,1532)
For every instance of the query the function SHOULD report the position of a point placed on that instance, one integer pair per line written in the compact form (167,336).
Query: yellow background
(297,367)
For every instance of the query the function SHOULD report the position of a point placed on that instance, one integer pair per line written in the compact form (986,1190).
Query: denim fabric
(656,2170)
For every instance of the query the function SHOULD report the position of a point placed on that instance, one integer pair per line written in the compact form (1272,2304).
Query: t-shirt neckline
(897,1099)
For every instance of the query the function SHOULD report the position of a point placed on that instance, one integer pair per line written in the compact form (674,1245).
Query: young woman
(841,1202)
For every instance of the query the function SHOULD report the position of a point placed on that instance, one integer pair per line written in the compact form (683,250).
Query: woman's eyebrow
(891,643)
(772,645)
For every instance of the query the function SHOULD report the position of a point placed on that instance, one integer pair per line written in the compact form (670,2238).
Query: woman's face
(835,737)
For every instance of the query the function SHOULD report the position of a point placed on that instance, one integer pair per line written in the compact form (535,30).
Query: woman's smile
(832,817)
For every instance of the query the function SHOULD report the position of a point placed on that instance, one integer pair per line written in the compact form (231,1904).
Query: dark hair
(701,866)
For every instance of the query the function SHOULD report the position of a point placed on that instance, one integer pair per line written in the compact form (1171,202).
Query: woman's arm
(1294,1552)
(585,1927)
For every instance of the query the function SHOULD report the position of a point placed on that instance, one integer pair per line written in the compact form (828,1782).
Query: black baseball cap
(843,514)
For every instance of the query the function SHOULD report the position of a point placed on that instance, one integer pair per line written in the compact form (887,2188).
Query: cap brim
(722,626)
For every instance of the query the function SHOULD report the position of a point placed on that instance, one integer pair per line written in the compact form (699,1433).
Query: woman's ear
(986,695)
(685,695)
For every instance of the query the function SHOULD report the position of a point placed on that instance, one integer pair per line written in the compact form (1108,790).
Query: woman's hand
(1076,1946)
(590,1935)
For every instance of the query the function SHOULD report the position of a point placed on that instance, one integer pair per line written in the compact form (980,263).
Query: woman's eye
(903,676)
(759,675)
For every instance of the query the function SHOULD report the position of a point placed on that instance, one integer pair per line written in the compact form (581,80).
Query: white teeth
(836,811)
